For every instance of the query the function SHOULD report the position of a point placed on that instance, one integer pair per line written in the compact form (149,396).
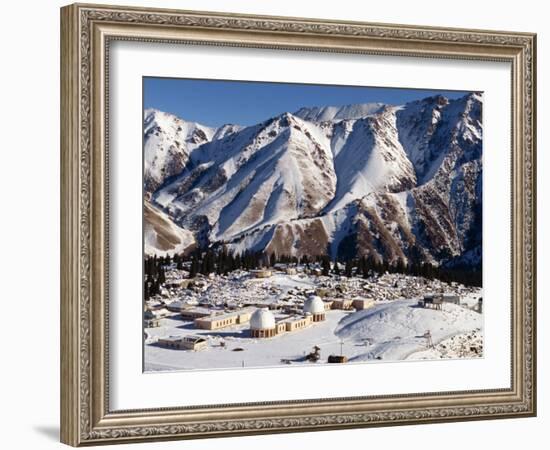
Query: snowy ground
(254,353)
(465,345)
(394,329)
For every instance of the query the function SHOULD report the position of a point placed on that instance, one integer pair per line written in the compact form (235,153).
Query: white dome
(314,305)
(262,319)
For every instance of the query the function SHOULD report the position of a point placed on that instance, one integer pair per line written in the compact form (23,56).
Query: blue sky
(217,102)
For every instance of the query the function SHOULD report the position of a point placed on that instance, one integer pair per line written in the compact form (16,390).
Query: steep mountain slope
(162,236)
(394,183)
(431,128)
(440,219)
(168,142)
(276,171)
(368,158)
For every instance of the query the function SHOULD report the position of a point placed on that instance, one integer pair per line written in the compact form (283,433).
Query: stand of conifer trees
(155,275)
(223,262)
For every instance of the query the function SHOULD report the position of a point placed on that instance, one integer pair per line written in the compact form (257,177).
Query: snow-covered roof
(314,305)
(193,338)
(163,312)
(262,319)
(172,338)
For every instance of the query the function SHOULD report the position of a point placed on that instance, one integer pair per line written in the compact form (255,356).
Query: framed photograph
(281,224)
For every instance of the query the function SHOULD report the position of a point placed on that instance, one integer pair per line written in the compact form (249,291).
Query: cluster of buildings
(253,302)
(262,321)
(287,312)
(436,301)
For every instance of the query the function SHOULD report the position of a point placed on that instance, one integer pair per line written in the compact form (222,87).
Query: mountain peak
(169,141)
(440,99)
(286,118)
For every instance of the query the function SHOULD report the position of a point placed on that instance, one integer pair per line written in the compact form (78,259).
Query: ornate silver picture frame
(87,33)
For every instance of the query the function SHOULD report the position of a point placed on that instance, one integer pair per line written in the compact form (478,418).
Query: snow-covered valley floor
(393,329)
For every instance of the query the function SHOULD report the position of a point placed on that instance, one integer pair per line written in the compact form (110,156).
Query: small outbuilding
(150,321)
(189,342)
(338,359)
(342,303)
(362,303)
(262,273)
(433,301)
(451,298)
(194,313)
(223,320)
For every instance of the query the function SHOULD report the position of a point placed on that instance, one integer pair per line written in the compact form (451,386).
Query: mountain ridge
(391,182)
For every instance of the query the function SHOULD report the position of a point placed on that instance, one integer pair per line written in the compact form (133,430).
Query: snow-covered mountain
(369,158)
(273,172)
(168,143)
(393,182)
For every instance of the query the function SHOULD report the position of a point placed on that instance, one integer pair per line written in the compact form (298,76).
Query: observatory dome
(314,305)
(262,319)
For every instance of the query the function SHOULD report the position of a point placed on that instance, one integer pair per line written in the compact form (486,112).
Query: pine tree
(336,270)
(146,292)
(156,287)
(210,264)
(154,266)
(162,277)
(231,266)
(146,266)
(153,287)
(400,266)
(218,263)
(325,266)
(194,269)
(349,268)
(364,267)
